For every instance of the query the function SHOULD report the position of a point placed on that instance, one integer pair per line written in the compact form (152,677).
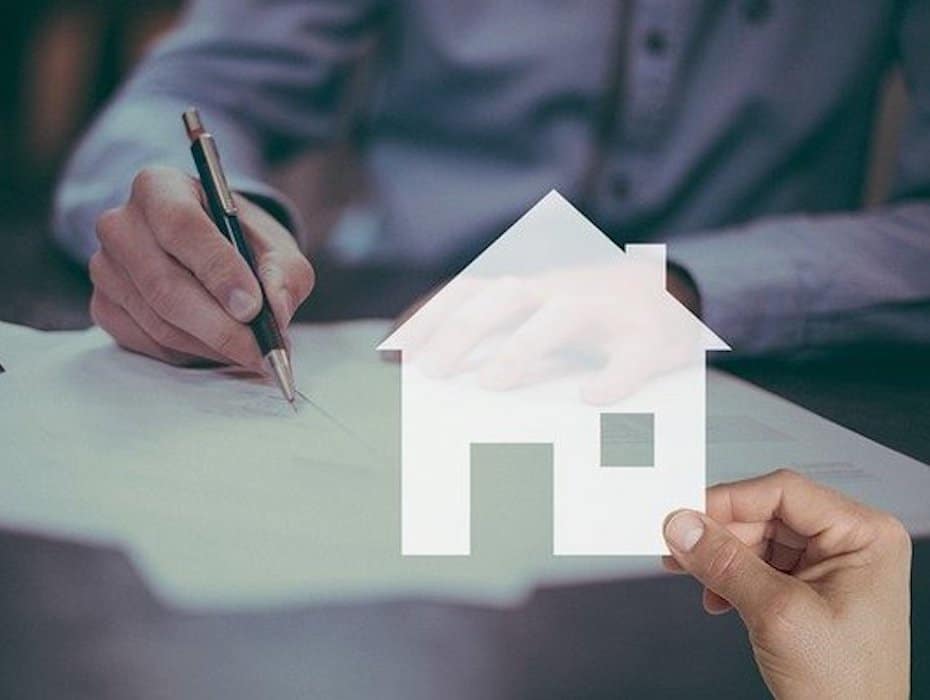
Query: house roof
(552,236)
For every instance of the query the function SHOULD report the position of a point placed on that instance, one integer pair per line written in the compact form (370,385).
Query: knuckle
(787,474)
(149,179)
(104,280)
(155,189)
(897,536)
(95,269)
(108,225)
(859,529)
(145,181)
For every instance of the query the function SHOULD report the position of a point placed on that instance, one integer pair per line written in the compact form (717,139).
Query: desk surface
(78,622)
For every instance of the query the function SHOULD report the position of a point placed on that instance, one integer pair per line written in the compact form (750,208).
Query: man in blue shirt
(736,131)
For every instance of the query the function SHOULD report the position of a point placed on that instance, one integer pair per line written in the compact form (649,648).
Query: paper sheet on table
(21,345)
(225,498)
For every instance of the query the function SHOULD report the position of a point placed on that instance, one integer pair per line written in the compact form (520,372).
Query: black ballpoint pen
(225,215)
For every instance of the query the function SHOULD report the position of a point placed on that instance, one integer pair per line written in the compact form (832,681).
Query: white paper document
(225,498)
(21,345)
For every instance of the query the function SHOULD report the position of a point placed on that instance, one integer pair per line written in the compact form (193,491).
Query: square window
(627,440)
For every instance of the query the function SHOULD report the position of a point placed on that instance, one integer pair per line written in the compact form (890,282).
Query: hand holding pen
(225,213)
(167,284)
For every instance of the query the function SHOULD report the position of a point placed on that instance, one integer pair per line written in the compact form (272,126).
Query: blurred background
(59,61)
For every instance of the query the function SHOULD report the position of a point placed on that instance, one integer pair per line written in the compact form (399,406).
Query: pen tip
(280,367)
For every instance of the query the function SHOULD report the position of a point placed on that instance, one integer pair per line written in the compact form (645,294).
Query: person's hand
(169,285)
(820,581)
(612,315)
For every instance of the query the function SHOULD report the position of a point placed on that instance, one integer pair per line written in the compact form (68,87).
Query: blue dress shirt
(737,131)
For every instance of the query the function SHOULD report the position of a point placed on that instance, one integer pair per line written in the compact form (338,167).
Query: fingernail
(684,530)
(242,305)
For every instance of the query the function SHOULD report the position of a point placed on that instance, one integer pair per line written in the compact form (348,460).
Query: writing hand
(169,285)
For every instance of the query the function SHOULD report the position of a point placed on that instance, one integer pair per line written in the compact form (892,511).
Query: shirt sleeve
(268,78)
(787,283)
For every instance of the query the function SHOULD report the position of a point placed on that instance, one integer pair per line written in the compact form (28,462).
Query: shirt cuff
(99,176)
(750,286)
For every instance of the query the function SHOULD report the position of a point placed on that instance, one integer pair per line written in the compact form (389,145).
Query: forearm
(140,131)
(784,284)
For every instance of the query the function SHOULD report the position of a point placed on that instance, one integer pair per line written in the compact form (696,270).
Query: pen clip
(211,157)
(217,176)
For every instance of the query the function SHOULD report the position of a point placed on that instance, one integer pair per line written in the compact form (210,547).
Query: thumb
(719,560)
(287,279)
(285,273)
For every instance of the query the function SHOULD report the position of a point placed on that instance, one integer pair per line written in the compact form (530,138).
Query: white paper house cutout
(597,510)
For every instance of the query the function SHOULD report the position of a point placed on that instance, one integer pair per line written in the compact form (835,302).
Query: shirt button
(656,43)
(757,11)
(620,185)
